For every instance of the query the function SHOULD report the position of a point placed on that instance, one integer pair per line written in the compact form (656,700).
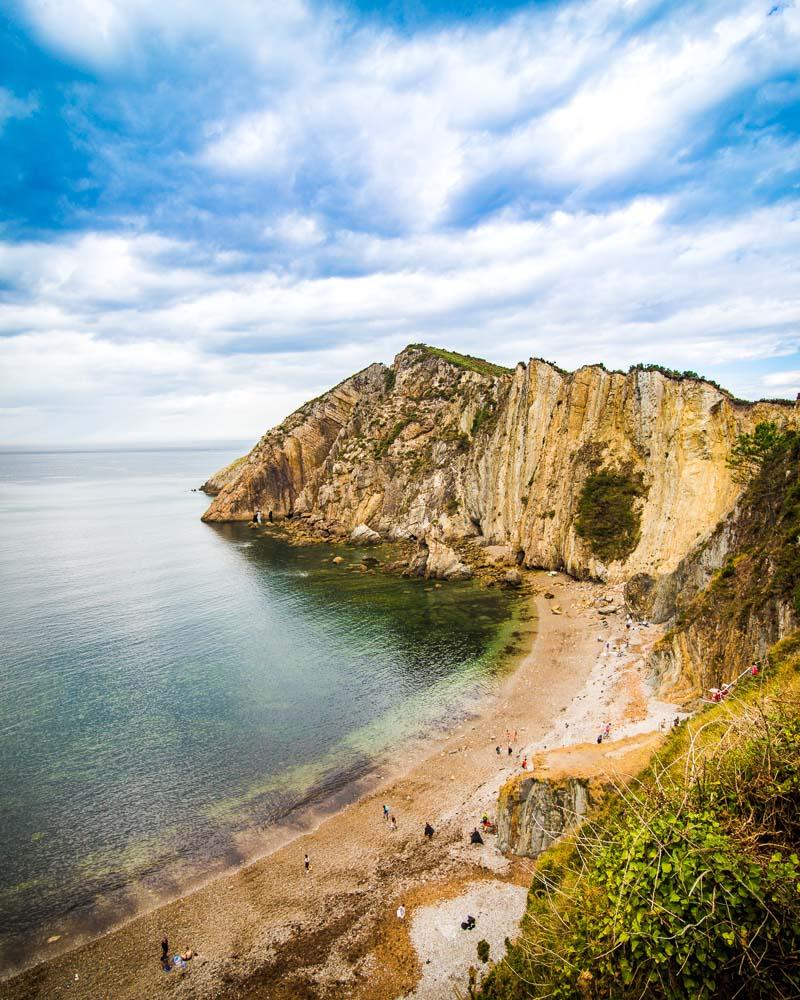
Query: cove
(172,690)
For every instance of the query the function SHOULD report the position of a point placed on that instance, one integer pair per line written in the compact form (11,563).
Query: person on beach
(164,948)
(510,751)
(258,516)
(429,831)
(607,731)
(497,751)
(401,912)
(525,763)
(475,837)
(393,821)
(270,517)
(307,863)
(468,924)
(600,738)
(385,812)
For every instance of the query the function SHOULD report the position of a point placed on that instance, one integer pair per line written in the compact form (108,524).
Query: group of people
(258,517)
(604,733)
(718,694)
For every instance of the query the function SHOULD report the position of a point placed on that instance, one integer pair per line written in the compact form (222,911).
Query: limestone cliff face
(526,479)
(290,457)
(734,595)
(533,813)
(442,447)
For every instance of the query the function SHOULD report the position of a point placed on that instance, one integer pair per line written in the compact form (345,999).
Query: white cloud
(99,322)
(12,106)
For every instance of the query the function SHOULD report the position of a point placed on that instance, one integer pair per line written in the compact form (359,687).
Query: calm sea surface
(168,687)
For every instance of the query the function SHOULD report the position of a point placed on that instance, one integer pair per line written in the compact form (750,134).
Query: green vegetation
(383,445)
(608,518)
(482,417)
(452,434)
(483,950)
(752,451)
(389,379)
(672,373)
(464,361)
(686,884)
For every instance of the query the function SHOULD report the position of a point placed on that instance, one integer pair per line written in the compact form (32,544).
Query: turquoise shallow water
(168,686)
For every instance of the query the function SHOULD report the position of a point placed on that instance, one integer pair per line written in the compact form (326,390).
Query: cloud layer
(249,207)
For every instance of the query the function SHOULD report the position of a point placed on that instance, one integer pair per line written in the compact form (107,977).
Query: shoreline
(111,914)
(269,929)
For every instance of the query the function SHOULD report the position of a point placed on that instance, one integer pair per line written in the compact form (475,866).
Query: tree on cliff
(751,451)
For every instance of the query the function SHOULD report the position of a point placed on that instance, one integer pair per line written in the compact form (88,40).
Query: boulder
(513,578)
(443,563)
(337,560)
(362,534)
(417,563)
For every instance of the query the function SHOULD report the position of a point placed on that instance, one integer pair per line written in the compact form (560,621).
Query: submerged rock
(513,578)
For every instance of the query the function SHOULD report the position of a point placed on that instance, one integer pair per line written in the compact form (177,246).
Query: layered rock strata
(441,447)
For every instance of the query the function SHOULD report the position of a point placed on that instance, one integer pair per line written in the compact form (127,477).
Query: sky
(212,212)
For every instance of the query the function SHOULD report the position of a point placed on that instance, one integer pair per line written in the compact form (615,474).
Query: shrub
(383,446)
(607,515)
(687,885)
(751,451)
(483,950)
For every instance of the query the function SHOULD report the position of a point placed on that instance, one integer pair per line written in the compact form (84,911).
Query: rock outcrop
(532,813)
(364,535)
(445,446)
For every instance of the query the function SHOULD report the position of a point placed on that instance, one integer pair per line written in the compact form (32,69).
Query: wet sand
(272,930)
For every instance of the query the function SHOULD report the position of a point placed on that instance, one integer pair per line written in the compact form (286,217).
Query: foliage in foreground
(688,885)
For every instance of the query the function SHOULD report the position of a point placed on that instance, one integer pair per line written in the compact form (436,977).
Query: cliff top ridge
(484,367)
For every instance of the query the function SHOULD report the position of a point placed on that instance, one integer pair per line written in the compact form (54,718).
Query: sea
(176,696)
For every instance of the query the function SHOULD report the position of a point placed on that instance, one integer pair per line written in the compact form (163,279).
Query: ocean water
(171,690)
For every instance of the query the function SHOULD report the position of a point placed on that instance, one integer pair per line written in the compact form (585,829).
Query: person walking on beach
(385,812)
(307,863)
(428,831)
(394,823)
(164,948)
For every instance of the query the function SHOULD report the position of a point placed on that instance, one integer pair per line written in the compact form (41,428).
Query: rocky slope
(442,447)
(737,593)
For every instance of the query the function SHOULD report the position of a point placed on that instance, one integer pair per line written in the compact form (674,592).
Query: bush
(483,950)
(686,886)
(607,516)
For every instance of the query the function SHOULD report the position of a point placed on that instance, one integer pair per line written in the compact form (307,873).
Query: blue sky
(212,212)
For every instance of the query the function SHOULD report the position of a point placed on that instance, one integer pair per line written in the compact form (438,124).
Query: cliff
(535,809)
(600,473)
(737,593)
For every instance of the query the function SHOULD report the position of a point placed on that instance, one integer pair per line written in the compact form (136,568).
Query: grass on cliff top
(686,884)
(464,361)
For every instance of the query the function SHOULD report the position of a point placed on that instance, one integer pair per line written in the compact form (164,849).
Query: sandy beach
(273,930)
